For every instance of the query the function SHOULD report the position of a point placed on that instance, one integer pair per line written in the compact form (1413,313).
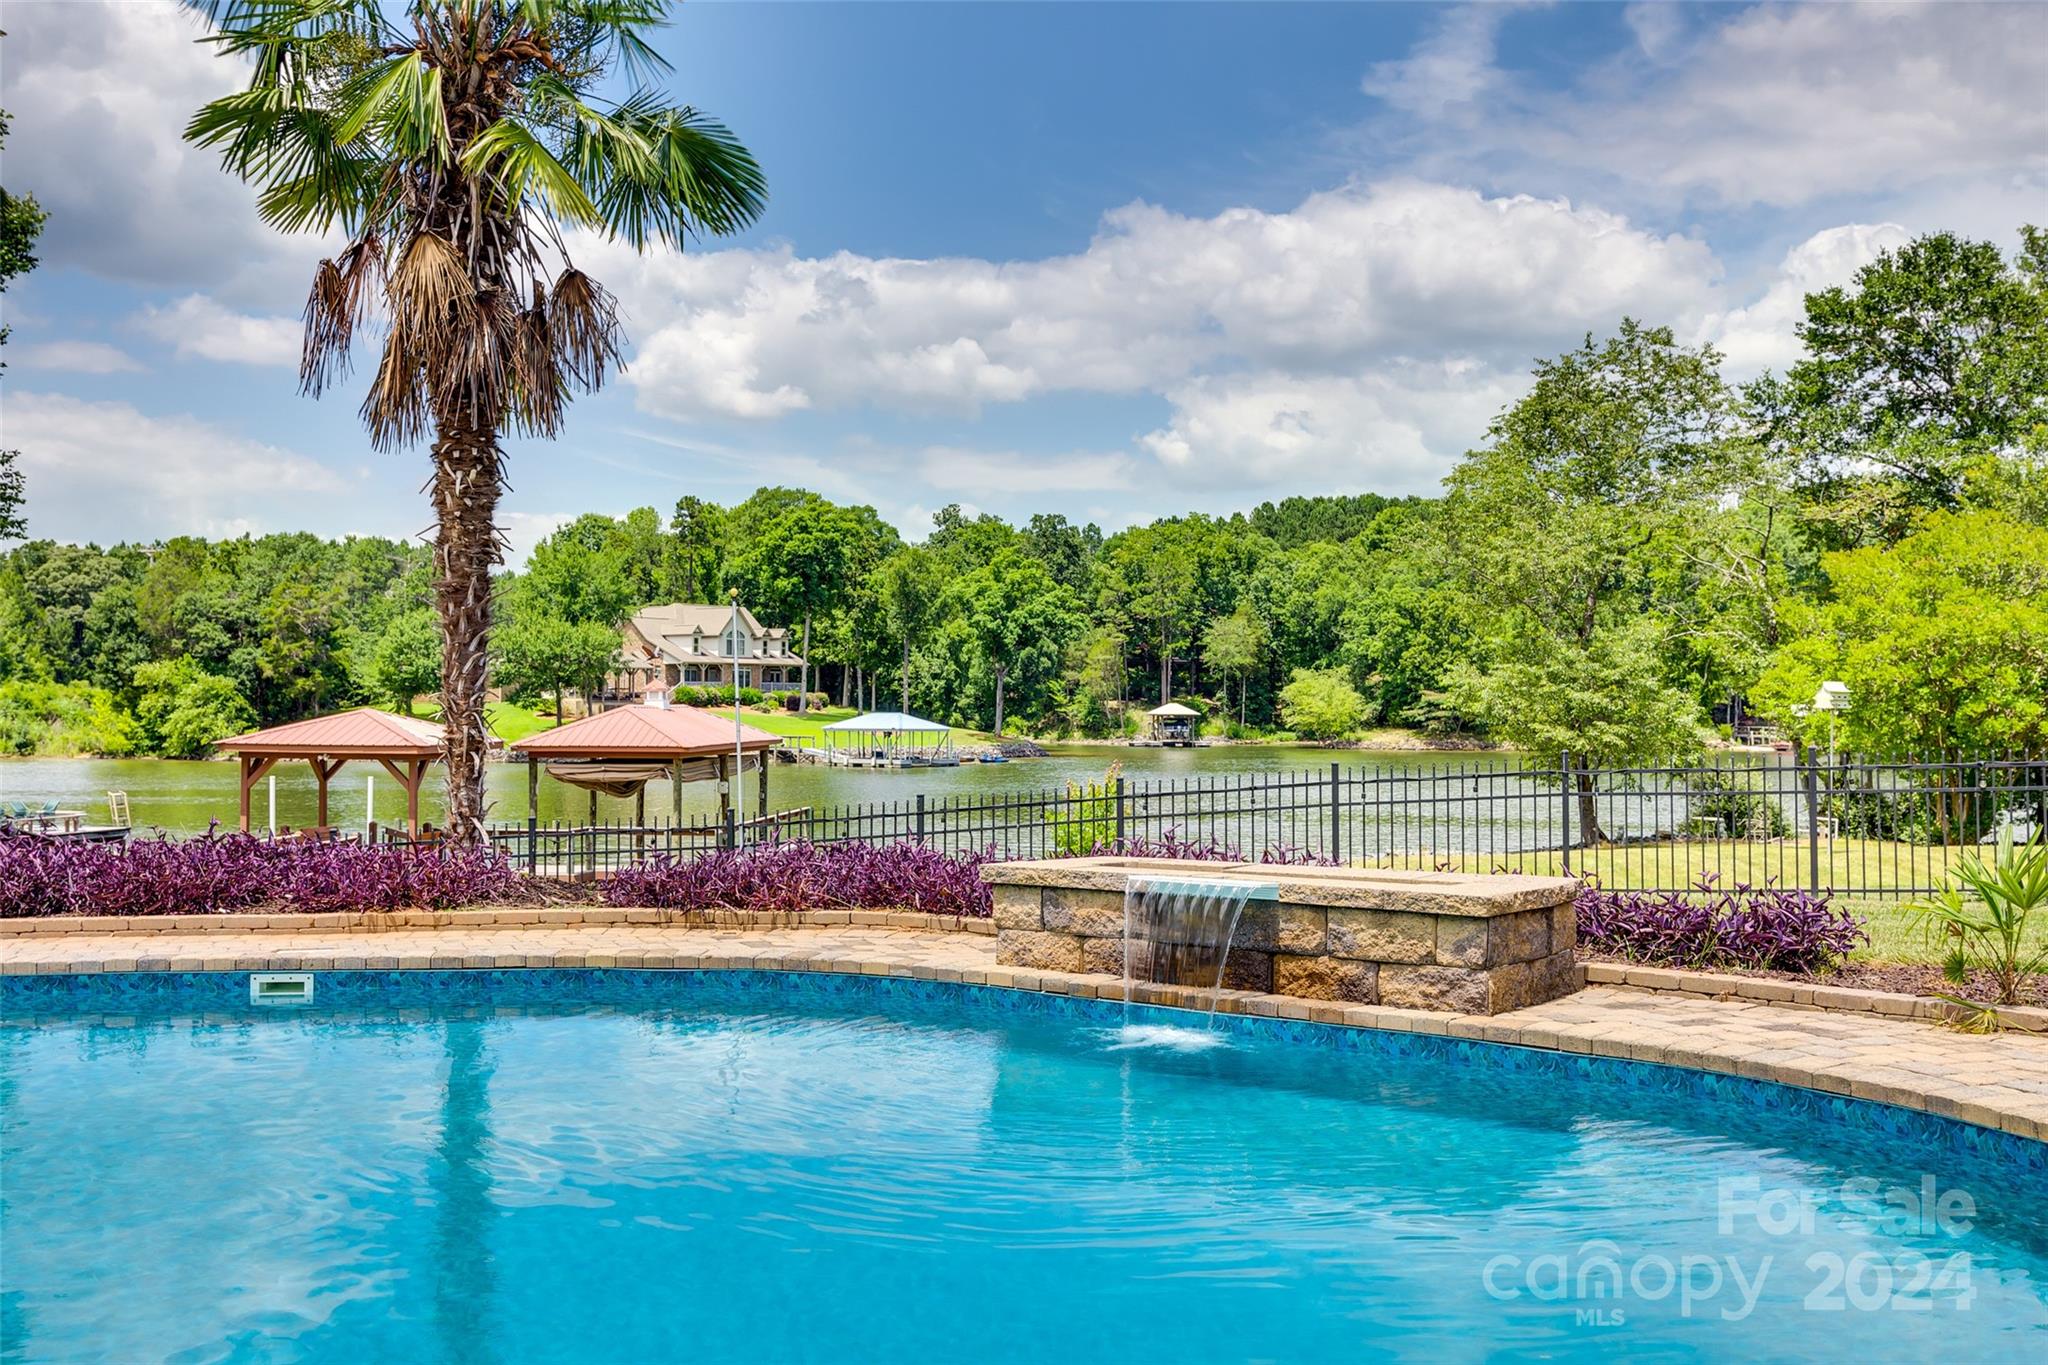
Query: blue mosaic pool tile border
(26,1000)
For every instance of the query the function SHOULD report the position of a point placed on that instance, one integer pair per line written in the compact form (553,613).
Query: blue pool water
(581,1166)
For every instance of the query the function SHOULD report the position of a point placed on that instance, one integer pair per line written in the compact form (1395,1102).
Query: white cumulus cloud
(1739,106)
(1763,334)
(1348,277)
(197,325)
(102,470)
(76,357)
(100,92)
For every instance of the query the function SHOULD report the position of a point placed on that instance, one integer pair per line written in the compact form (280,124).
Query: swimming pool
(625,1165)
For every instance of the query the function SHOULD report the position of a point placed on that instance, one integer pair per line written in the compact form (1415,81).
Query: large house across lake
(690,644)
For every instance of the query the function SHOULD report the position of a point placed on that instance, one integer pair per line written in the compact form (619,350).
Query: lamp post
(739,752)
(1832,697)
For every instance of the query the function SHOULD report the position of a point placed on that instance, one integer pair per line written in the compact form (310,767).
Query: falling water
(1177,931)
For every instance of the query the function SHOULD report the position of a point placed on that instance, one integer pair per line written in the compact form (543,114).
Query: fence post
(1812,825)
(532,815)
(920,817)
(726,837)
(1564,787)
(1120,813)
(1336,815)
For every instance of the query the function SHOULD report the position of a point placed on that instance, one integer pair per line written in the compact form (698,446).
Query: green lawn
(1861,864)
(811,726)
(507,721)
(792,725)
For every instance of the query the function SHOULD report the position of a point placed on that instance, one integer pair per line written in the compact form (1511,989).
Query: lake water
(181,797)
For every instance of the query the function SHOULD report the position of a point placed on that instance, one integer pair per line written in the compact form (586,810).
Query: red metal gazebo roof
(646,732)
(362,733)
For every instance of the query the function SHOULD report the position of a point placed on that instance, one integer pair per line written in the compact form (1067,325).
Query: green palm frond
(401,100)
(509,155)
(697,180)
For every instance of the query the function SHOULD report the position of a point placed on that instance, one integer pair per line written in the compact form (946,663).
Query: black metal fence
(1861,828)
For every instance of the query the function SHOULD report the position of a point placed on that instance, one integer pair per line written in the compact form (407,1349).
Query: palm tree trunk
(999,704)
(468,477)
(906,673)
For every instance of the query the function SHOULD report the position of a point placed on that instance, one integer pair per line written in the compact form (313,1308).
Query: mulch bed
(1894,977)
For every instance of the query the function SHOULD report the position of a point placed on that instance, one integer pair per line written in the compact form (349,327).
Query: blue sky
(1109,260)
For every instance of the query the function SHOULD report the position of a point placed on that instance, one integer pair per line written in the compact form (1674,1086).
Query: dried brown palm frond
(583,325)
(344,291)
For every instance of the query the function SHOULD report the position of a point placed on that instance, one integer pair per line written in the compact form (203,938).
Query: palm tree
(454,142)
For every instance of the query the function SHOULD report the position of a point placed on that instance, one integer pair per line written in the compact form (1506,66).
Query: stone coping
(387,921)
(1803,994)
(1477,895)
(1997,1081)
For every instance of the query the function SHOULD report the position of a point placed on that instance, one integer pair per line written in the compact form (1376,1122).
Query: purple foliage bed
(1762,928)
(788,877)
(161,876)
(42,876)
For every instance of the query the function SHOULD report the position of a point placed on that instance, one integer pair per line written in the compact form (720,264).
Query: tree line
(1636,542)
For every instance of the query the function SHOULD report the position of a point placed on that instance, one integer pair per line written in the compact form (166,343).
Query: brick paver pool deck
(1997,1081)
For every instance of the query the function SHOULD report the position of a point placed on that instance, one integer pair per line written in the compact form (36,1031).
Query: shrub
(1763,928)
(1322,705)
(1088,821)
(63,720)
(790,877)
(1981,917)
(181,709)
(1207,849)
(43,876)
(1720,807)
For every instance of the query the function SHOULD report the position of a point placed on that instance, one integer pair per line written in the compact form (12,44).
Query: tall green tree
(181,710)
(405,659)
(1931,362)
(1233,647)
(907,589)
(801,566)
(451,140)
(1941,638)
(539,653)
(1604,470)
(1021,622)
(698,529)
(1153,581)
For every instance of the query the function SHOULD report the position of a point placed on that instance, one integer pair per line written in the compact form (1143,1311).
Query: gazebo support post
(761,806)
(410,777)
(322,772)
(253,771)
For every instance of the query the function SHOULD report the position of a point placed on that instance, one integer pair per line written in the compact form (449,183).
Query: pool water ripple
(745,1175)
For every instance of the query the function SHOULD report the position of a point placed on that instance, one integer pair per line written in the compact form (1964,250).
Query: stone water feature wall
(1420,940)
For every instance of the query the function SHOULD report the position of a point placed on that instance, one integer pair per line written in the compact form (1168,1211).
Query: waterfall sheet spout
(1178,930)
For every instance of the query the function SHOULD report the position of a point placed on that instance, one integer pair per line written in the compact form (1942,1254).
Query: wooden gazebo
(621,750)
(401,745)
